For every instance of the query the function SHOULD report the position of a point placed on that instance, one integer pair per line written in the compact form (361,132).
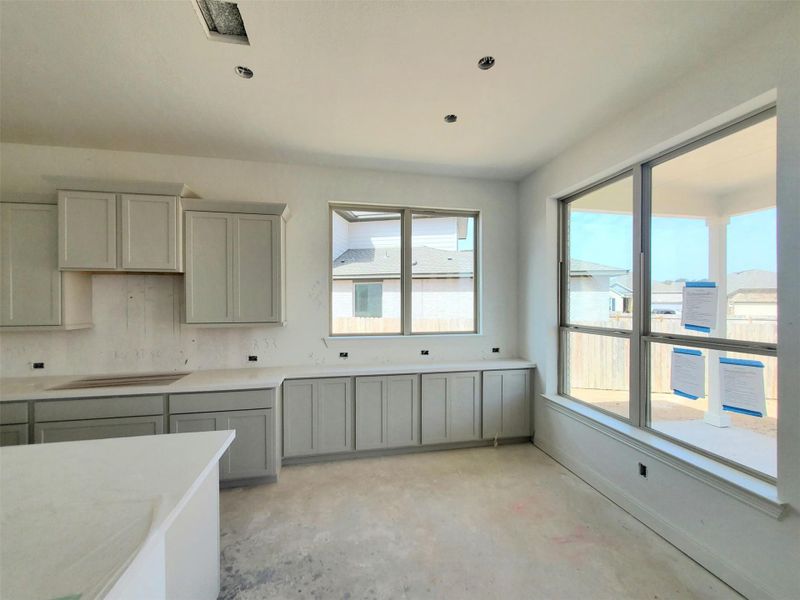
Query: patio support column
(718,272)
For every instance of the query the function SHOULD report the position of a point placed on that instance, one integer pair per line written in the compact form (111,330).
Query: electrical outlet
(643,470)
(343,354)
(424,352)
(495,350)
(37,365)
(252,358)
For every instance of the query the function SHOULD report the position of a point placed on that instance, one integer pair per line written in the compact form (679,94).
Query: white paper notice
(688,373)
(742,383)
(699,310)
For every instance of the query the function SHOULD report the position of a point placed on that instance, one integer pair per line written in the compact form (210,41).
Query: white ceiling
(349,83)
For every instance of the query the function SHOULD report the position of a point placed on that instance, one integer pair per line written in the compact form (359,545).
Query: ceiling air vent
(222,21)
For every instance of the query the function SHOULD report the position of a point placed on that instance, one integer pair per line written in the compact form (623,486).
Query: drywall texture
(137,317)
(749,549)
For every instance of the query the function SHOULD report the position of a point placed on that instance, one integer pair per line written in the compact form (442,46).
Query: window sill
(746,488)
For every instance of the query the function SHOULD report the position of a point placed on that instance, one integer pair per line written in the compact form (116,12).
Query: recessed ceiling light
(486,63)
(450,118)
(244,72)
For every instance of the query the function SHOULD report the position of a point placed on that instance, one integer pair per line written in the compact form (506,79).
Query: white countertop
(74,515)
(38,388)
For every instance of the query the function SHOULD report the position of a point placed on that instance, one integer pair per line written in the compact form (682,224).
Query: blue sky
(680,246)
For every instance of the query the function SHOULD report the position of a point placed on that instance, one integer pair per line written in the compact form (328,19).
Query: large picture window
(669,281)
(403,271)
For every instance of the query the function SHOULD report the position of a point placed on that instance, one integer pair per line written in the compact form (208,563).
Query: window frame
(406,222)
(641,335)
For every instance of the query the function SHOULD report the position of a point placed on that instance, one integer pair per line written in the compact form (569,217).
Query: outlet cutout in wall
(495,350)
(424,352)
(343,355)
(252,358)
(643,470)
(37,365)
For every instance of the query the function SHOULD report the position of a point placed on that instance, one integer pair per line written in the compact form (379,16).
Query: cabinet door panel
(492,425)
(516,404)
(298,418)
(464,404)
(209,267)
(13,435)
(250,453)
(192,423)
(370,412)
(255,278)
(95,429)
(149,232)
(334,415)
(87,230)
(402,411)
(30,283)
(434,409)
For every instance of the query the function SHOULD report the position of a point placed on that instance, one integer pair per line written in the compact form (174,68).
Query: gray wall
(137,317)
(748,548)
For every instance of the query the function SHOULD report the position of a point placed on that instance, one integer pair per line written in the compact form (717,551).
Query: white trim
(745,488)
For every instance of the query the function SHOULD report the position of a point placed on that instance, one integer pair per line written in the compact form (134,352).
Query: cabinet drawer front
(97,408)
(221,401)
(13,412)
(96,429)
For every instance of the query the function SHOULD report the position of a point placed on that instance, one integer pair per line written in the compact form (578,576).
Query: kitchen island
(114,518)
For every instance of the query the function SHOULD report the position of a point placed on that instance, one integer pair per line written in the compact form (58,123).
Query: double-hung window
(668,295)
(402,271)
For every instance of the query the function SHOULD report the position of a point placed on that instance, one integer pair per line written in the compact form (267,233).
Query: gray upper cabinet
(209,267)
(506,404)
(317,416)
(105,231)
(451,405)
(234,268)
(87,230)
(33,292)
(150,232)
(387,412)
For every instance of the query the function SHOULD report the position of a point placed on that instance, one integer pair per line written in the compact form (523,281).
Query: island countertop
(40,387)
(75,515)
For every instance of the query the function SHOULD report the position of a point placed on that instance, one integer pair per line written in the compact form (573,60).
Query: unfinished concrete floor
(505,522)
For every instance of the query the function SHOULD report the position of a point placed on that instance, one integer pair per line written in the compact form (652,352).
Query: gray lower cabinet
(317,416)
(250,413)
(506,404)
(14,435)
(387,412)
(95,429)
(250,455)
(451,407)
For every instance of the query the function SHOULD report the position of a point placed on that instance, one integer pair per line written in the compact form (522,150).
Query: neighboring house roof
(364,263)
(584,268)
(754,296)
(752,279)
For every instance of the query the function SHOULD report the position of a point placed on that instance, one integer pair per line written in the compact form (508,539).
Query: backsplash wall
(137,318)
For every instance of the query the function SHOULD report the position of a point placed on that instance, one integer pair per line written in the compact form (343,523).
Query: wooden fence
(601,362)
(373,325)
